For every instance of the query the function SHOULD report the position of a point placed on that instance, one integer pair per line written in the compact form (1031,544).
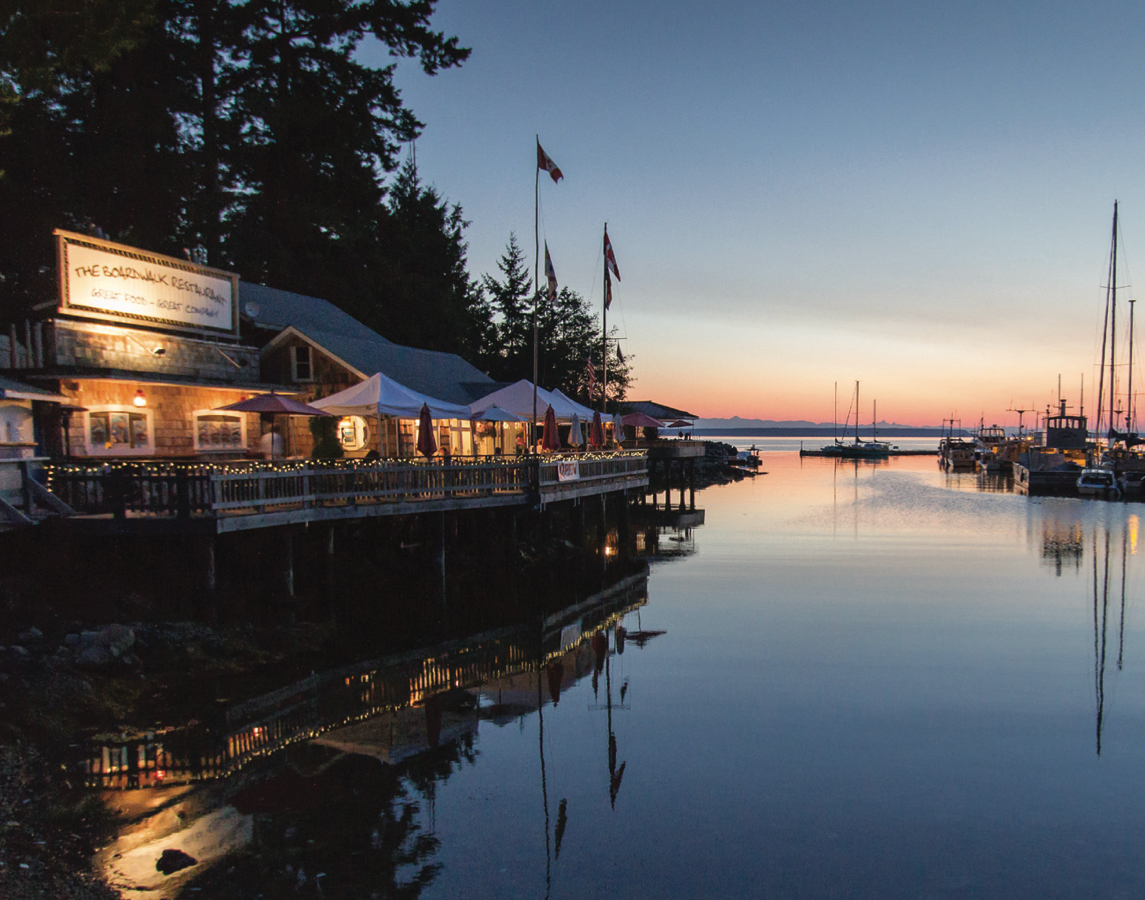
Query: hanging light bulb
(139,400)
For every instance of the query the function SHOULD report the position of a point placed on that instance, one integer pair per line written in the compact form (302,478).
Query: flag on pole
(591,378)
(609,256)
(607,290)
(550,274)
(547,165)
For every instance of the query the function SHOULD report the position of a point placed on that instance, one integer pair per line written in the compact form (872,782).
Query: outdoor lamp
(139,400)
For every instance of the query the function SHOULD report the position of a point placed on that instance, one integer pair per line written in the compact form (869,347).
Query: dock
(192,498)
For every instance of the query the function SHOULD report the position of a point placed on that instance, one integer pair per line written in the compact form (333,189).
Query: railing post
(261,506)
(182,495)
(26,487)
(117,493)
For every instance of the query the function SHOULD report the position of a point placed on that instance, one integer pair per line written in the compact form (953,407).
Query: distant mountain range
(736,426)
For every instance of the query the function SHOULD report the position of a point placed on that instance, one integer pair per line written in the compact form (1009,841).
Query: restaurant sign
(569,470)
(103,280)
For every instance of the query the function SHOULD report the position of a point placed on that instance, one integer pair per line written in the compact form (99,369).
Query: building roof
(443,375)
(15,390)
(656,410)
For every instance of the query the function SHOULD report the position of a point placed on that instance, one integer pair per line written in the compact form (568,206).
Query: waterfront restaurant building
(143,349)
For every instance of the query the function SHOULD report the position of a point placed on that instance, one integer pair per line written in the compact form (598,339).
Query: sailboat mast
(1113,318)
(1129,403)
(856,413)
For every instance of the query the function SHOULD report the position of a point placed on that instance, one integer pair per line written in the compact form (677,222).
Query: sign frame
(71,307)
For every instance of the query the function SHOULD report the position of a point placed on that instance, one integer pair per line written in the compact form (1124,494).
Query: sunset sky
(917,196)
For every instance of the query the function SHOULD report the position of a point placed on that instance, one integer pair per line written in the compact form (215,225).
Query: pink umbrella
(551,440)
(596,433)
(639,420)
(426,442)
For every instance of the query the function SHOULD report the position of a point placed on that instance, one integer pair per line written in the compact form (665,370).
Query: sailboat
(1121,456)
(858,449)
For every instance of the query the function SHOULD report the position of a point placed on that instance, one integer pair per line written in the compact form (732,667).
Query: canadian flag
(547,165)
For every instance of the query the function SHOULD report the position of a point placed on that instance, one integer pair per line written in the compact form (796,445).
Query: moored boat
(1098,482)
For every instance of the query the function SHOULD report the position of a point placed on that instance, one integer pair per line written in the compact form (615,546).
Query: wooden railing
(183,490)
(594,468)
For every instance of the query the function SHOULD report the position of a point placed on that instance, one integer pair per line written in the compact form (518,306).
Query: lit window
(219,431)
(118,431)
(300,357)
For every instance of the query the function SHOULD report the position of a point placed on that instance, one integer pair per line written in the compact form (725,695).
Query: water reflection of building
(330,700)
(322,791)
(1062,545)
(660,533)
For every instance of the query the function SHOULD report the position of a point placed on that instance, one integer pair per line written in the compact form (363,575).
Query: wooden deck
(196,498)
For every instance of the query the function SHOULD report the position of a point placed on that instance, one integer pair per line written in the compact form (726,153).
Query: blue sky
(913,195)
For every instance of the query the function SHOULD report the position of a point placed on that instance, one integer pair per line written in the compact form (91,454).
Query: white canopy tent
(380,396)
(565,407)
(518,399)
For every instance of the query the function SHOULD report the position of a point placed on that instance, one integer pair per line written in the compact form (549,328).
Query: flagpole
(536,265)
(604,320)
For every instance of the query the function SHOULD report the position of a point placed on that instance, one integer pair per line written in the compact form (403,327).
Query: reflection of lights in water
(1134,524)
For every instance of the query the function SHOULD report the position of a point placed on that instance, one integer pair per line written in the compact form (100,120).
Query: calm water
(873,681)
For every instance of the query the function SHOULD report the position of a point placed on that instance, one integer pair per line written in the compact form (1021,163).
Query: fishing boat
(956,453)
(1054,466)
(989,444)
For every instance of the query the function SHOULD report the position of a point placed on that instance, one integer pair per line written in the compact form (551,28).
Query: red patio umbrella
(551,440)
(274,403)
(596,433)
(426,442)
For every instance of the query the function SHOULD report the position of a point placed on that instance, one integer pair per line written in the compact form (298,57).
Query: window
(300,360)
(217,432)
(118,431)
(353,433)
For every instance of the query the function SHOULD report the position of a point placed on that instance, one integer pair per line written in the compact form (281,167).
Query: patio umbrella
(551,440)
(617,428)
(575,436)
(679,423)
(426,442)
(274,405)
(596,432)
(639,420)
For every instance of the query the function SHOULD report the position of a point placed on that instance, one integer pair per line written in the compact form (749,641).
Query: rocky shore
(56,686)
